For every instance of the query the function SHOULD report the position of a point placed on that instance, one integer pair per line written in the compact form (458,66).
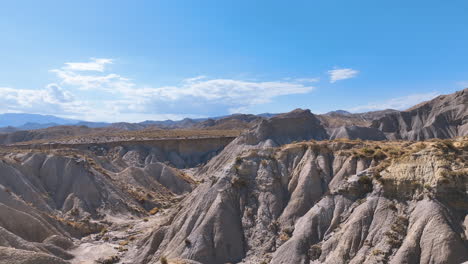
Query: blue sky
(139,60)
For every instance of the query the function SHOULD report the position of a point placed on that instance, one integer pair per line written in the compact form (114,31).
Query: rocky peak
(296,125)
(442,117)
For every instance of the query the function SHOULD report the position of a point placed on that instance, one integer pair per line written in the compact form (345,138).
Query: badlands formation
(380,187)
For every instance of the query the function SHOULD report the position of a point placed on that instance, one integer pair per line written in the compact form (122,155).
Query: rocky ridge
(325,202)
(281,192)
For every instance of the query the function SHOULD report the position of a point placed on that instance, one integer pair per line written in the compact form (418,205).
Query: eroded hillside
(323,202)
(281,192)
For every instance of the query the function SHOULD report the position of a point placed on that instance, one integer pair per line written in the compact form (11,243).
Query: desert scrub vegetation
(81,228)
(454,174)
(365,182)
(124,243)
(315,251)
(238,182)
(154,211)
(109,260)
(163,260)
(398,231)
(284,237)
(7,190)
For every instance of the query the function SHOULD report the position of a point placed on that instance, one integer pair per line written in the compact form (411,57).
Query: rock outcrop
(443,117)
(356,132)
(263,200)
(281,192)
(48,198)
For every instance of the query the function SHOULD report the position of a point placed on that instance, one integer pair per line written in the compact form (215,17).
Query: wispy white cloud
(342,74)
(224,90)
(200,94)
(399,103)
(107,82)
(307,80)
(72,74)
(50,100)
(463,84)
(109,96)
(93,65)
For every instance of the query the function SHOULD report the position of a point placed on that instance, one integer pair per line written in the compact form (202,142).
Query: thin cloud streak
(93,65)
(342,74)
(398,103)
(123,98)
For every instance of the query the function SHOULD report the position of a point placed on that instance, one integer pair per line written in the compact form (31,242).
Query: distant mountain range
(33,120)
(442,117)
(11,122)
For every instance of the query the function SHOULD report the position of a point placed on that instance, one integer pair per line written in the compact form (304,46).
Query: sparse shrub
(124,243)
(163,260)
(361,201)
(154,211)
(379,155)
(365,183)
(274,226)
(449,144)
(377,252)
(444,180)
(238,182)
(315,251)
(188,243)
(402,220)
(420,146)
(103,230)
(284,237)
(122,249)
(376,175)
(7,190)
(393,152)
(454,174)
(365,180)
(288,230)
(109,260)
(264,162)
(74,212)
(141,200)
(145,219)
(367,151)
(398,230)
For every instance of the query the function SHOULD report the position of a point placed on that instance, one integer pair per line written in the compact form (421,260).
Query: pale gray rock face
(18,256)
(153,175)
(46,199)
(443,117)
(311,203)
(297,125)
(265,198)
